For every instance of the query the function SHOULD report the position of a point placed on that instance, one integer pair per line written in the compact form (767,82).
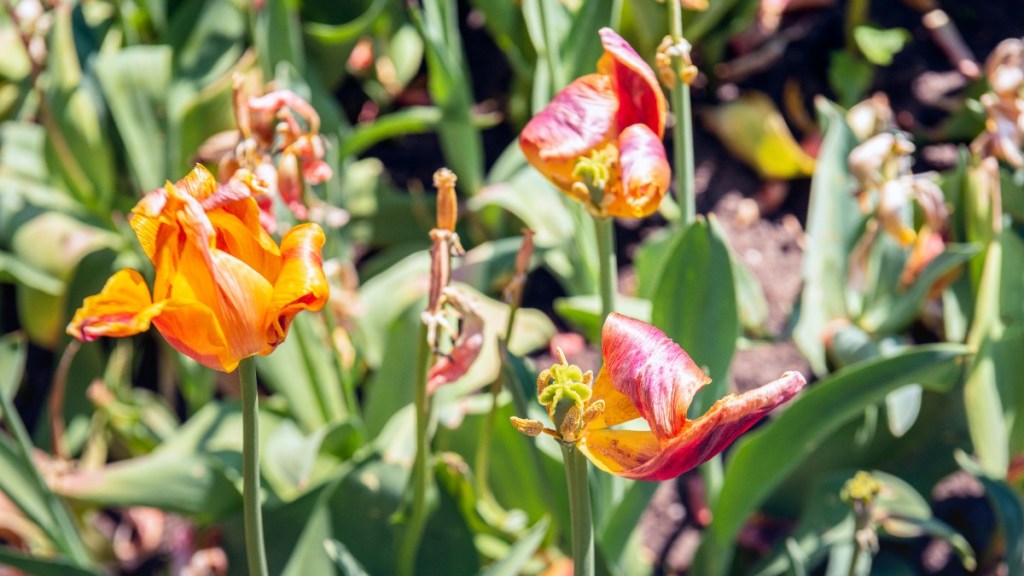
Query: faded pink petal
(579,120)
(652,371)
(645,173)
(641,100)
(466,349)
(716,429)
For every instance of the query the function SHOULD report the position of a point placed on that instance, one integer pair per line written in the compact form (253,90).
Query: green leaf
(892,309)
(832,222)
(522,193)
(78,147)
(136,81)
(278,38)
(774,450)
(193,484)
(449,85)
(879,45)
(990,394)
(304,375)
(695,304)
(850,77)
(411,120)
(41,566)
(584,312)
(752,128)
(343,559)
(1010,511)
(13,353)
(521,552)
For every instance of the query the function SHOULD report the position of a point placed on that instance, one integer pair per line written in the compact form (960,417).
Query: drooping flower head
(648,376)
(616,116)
(223,289)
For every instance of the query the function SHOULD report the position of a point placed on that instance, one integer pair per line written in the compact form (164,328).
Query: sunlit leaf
(753,129)
(774,450)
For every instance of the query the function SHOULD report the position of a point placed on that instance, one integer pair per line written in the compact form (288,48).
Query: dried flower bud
(447,205)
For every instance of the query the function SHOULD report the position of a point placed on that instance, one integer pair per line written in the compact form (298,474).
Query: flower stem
(579,510)
(682,131)
(483,449)
(417,518)
(253,516)
(608,269)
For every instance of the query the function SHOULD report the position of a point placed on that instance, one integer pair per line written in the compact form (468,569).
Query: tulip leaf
(449,85)
(880,45)
(513,562)
(892,309)
(521,194)
(1009,510)
(778,447)
(582,47)
(37,566)
(13,353)
(78,148)
(902,407)
(194,484)
(752,128)
(990,393)
(343,559)
(832,222)
(584,312)
(411,120)
(207,38)
(695,304)
(278,38)
(136,81)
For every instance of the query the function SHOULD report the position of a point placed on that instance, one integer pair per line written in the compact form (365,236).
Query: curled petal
(644,174)
(619,451)
(635,85)
(580,119)
(618,408)
(465,351)
(192,328)
(301,284)
(698,442)
(651,370)
(122,308)
(279,99)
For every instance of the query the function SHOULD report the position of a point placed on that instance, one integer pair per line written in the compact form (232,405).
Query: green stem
(608,270)
(550,52)
(67,536)
(253,515)
(483,448)
(417,518)
(682,131)
(579,510)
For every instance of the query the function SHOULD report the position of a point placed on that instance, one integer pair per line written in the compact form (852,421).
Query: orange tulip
(619,112)
(647,376)
(223,289)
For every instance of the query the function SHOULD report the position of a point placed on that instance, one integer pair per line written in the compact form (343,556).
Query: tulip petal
(652,370)
(192,328)
(640,98)
(301,285)
(618,408)
(122,308)
(579,120)
(644,174)
(619,451)
(251,245)
(712,432)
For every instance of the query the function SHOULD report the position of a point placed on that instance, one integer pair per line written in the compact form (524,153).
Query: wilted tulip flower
(223,289)
(604,130)
(646,375)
